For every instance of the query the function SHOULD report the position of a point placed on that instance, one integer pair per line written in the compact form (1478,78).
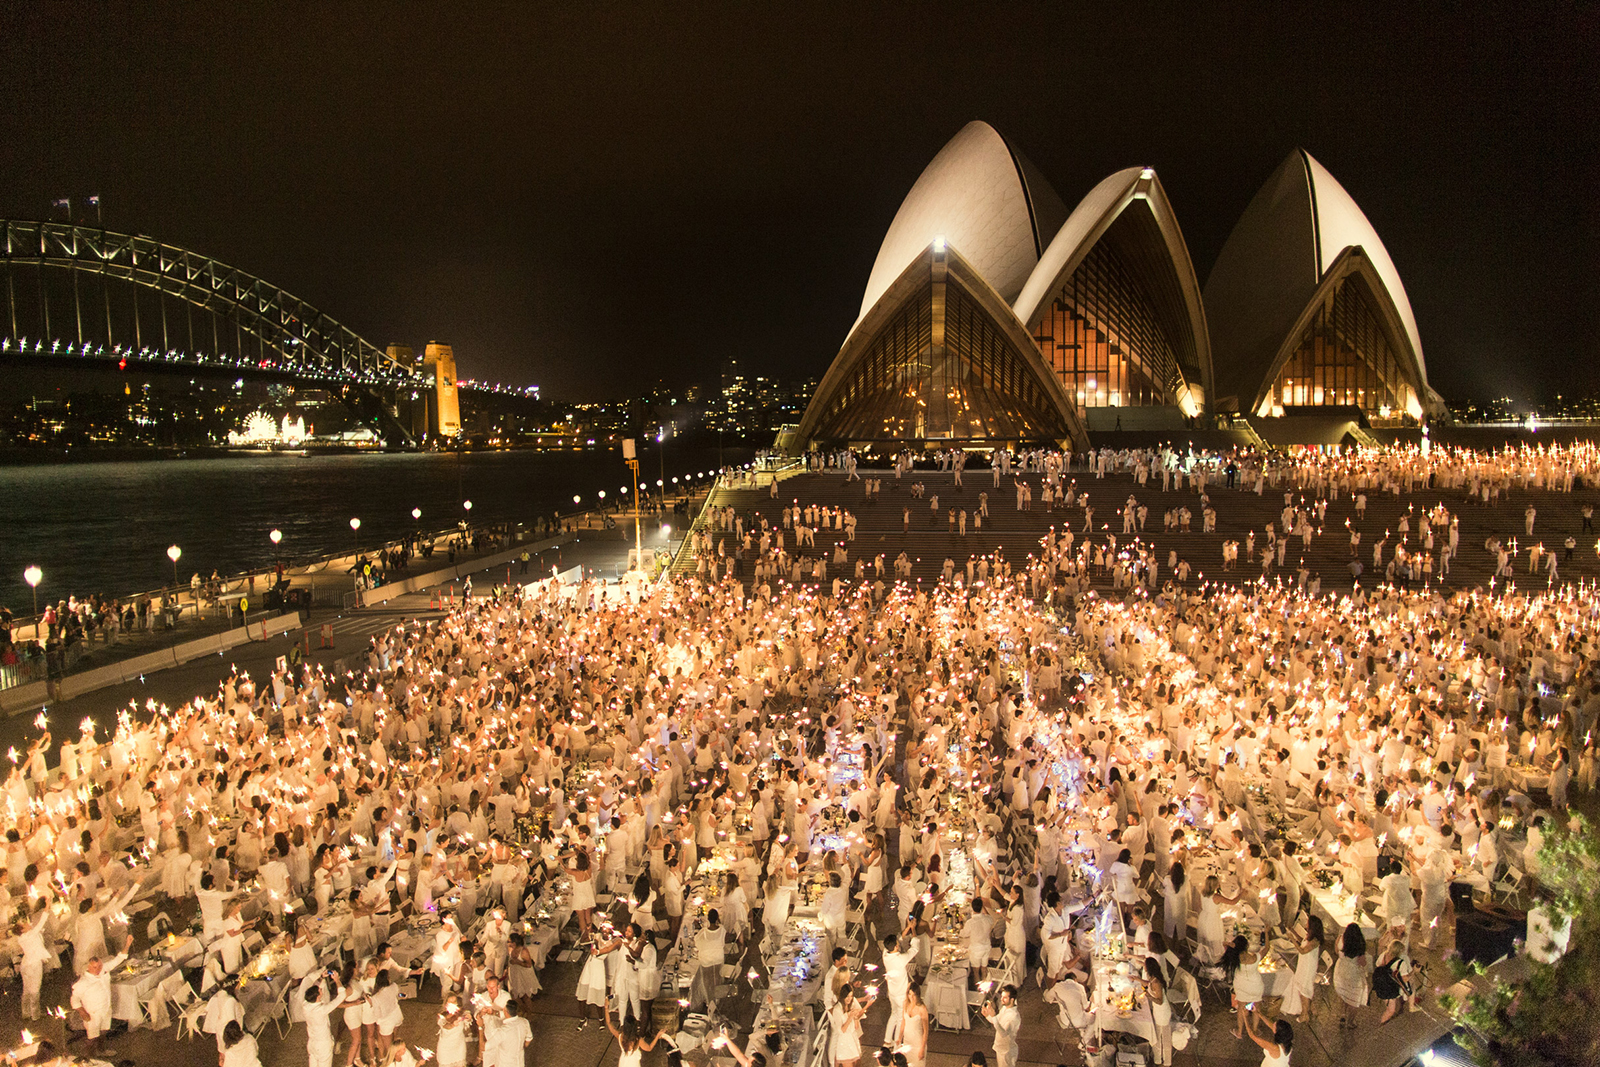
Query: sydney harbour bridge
(86,296)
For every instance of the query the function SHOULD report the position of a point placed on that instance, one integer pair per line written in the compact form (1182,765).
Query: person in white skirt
(1303,987)
(591,991)
(521,979)
(451,1049)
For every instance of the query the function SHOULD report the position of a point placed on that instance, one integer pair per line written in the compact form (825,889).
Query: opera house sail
(993,316)
(1115,307)
(1307,310)
(937,354)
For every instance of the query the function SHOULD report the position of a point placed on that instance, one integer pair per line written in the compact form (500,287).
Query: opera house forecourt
(993,315)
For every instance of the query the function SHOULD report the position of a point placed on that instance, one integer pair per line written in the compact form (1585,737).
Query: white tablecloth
(1337,911)
(945,993)
(127,991)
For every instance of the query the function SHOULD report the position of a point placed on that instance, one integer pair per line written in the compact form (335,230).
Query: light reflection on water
(105,527)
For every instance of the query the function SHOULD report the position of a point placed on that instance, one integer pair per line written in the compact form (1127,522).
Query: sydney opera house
(995,315)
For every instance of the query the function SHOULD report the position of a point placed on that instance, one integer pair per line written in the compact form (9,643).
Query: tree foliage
(1550,1016)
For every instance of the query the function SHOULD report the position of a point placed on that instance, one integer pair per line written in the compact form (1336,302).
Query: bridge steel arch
(290,336)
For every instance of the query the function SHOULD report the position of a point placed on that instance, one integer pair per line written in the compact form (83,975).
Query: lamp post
(275,537)
(661,461)
(355,534)
(173,552)
(33,576)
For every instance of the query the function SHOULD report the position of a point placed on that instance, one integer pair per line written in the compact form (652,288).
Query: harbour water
(105,527)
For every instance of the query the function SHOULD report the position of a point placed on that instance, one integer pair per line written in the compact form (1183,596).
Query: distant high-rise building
(447,405)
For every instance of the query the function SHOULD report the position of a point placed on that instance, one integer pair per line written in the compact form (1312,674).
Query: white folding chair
(1510,886)
(192,1021)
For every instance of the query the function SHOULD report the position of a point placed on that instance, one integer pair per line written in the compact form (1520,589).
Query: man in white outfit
(1007,1021)
(897,978)
(35,955)
(91,996)
(508,1042)
(319,1035)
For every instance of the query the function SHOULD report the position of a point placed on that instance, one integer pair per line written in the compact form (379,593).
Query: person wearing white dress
(1160,1012)
(1208,927)
(845,1017)
(315,1008)
(631,1047)
(1174,903)
(1276,1046)
(1303,986)
(1352,973)
(451,1049)
(1124,879)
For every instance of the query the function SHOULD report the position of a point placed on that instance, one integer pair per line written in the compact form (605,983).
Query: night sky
(595,197)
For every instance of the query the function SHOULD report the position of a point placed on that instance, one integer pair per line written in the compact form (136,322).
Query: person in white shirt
(711,950)
(1056,934)
(35,954)
(897,978)
(506,1044)
(317,1007)
(91,995)
(1007,1022)
(239,1049)
(979,934)
(222,1009)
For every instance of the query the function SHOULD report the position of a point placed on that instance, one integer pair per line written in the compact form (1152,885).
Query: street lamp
(173,552)
(33,576)
(355,535)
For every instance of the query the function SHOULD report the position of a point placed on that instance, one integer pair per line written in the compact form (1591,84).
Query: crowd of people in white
(1254,777)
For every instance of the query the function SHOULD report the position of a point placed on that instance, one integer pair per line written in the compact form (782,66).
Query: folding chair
(1510,886)
(281,1016)
(1184,993)
(154,1006)
(192,1021)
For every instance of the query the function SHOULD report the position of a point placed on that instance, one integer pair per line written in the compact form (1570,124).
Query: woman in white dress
(447,961)
(1276,1046)
(1124,880)
(1175,904)
(1243,967)
(672,889)
(451,1051)
(1303,987)
(1155,988)
(914,1029)
(873,883)
(582,889)
(1352,973)
(1208,927)
(632,1046)
(175,871)
(845,1018)
(521,979)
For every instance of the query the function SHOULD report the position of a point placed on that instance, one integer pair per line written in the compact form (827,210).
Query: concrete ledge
(36,694)
(388,592)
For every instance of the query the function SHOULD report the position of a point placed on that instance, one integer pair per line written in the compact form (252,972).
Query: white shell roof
(974,196)
(1091,212)
(1340,224)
